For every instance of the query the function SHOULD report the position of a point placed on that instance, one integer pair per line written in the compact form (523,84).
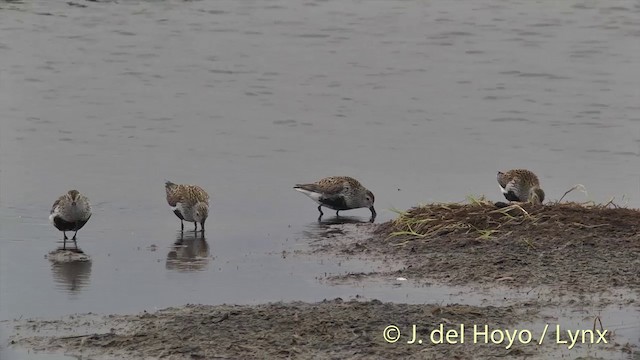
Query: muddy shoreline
(566,248)
(585,259)
(325,330)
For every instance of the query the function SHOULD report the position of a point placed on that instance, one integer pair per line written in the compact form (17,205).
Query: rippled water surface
(421,100)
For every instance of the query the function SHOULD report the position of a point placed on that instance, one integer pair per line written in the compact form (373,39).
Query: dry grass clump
(585,247)
(484,220)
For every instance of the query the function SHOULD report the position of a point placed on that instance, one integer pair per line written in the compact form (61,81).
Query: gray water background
(422,101)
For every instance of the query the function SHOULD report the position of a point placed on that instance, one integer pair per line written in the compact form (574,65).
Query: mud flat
(326,330)
(65,256)
(331,329)
(575,263)
(563,247)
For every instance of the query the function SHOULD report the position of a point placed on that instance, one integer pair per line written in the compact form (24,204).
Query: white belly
(185,211)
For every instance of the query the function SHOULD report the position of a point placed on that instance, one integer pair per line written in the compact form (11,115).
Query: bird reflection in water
(330,227)
(339,220)
(190,252)
(71,269)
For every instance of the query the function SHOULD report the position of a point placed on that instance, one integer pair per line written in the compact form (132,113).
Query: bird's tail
(307,187)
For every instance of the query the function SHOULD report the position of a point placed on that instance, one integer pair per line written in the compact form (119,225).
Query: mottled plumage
(339,193)
(69,213)
(189,203)
(520,185)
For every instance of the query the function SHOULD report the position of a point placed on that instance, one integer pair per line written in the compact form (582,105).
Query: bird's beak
(373,213)
(73,203)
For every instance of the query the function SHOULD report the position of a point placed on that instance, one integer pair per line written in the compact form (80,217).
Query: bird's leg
(320,209)
(74,236)
(338,213)
(196,226)
(181,225)
(202,227)
(65,235)
(64,242)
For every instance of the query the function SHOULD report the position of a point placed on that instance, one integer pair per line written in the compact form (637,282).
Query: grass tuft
(485,219)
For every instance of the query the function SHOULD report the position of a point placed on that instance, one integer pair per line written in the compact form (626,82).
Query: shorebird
(69,213)
(520,185)
(339,193)
(189,203)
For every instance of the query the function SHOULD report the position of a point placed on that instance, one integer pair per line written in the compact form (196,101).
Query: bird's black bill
(373,214)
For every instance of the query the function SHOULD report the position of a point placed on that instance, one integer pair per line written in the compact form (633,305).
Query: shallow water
(421,101)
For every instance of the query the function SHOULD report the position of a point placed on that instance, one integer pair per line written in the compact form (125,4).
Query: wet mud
(326,330)
(64,256)
(581,248)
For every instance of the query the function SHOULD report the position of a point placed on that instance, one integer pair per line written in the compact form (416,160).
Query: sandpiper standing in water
(520,185)
(69,213)
(189,203)
(339,193)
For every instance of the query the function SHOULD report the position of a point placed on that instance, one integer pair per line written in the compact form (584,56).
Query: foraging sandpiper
(189,203)
(69,213)
(339,193)
(520,185)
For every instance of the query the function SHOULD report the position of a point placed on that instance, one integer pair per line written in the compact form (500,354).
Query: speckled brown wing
(196,194)
(529,177)
(335,184)
(201,194)
(173,193)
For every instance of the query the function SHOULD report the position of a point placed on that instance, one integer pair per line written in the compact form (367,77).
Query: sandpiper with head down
(69,213)
(339,193)
(520,185)
(189,203)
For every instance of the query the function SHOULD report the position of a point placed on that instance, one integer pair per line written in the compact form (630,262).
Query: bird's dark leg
(64,241)
(181,225)
(202,227)
(338,213)
(196,226)
(74,236)
(320,209)
(65,235)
